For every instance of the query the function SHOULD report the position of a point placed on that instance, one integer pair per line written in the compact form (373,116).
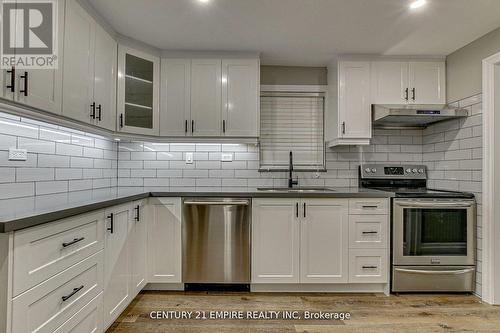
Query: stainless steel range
(433,231)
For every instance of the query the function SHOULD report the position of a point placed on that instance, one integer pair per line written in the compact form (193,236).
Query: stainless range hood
(413,116)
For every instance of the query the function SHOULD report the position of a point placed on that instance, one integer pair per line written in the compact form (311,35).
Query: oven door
(433,232)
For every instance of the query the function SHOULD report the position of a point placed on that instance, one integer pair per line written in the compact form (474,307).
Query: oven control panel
(393,171)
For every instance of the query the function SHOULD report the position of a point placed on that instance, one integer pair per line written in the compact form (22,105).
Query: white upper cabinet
(240,97)
(42,88)
(206,87)
(39,88)
(324,241)
(390,82)
(354,106)
(138,88)
(408,82)
(175,115)
(89,69)
(427,82)
(79,37)
(104,79)
(210,97)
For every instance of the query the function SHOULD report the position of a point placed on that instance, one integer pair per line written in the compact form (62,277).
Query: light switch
(189,158)
(226,157)
(18,154)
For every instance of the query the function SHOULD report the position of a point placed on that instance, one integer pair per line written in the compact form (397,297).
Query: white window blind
(292,122)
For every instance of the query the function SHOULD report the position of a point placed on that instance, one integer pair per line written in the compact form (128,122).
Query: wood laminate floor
(369,313)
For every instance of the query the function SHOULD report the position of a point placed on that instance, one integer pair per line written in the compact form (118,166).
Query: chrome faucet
(291,182)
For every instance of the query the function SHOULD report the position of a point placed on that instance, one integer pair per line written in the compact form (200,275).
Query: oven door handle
(448,272)
(434,204)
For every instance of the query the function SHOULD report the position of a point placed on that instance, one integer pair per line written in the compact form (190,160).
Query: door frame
(491,184)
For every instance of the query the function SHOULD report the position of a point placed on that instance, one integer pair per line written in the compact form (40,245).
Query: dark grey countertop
(21,213)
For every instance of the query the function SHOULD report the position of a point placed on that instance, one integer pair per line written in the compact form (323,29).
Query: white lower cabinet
(323,241)
(317,241)
(368,266)
(88,319)
(50,304)
(275,241)
(137,245)
(164,241)
(299,241)
(117,289)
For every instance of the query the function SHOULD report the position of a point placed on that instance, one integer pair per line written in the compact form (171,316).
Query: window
(292,122)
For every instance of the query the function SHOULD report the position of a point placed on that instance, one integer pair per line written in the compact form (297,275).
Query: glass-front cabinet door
(138,88)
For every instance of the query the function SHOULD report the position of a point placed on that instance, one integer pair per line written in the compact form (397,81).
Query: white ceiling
(303,32)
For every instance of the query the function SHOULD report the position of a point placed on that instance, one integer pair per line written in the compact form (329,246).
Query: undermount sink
(296,189)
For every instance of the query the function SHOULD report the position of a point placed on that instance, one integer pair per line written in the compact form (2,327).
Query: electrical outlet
(18,154)
(226,157)
(189,158)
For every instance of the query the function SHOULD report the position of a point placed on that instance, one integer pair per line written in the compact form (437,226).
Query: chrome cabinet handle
(343,127)
(305,209)
(413,94)
(369,232)
(121,119)
(296,209)
(223,126)
(429,272)
(186,126)
(369,267)
(12,85)
(192,126)
(75,290)
(25,90)
(406,93)
(374,206)
(74,241)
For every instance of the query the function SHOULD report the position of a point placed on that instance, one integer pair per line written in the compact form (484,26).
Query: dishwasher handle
(218,203)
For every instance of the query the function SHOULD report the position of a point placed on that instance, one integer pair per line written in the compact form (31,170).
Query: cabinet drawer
(369,206)
(43,251)
(50,304)
(88,319)
(368,231)
(368,266)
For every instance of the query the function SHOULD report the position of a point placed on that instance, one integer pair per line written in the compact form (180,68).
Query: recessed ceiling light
(417,4)
(203,1)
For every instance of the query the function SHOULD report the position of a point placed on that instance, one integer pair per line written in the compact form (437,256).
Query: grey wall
(464,66)
(293,75)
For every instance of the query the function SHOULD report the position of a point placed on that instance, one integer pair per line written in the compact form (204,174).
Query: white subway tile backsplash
(68,149)
(17,190)
(34,174)
(66,174)
(51,187)
(36,146)
(7,141)
(55,161)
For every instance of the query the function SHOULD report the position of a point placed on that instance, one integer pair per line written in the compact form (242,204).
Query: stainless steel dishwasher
(216,241)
